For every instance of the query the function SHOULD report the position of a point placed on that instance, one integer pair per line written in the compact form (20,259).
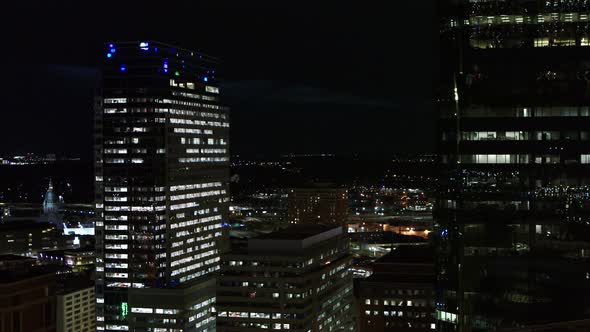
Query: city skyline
(191,166)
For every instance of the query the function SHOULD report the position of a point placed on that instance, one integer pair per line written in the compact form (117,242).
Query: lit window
(541,42)
(211,89)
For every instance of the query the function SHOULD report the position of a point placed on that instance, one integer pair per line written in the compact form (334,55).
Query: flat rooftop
(390,278)
(162,47)
(8,277)
(24,224)
(293,239)
(408,254)
(76,283)
(13,258)
(296,232)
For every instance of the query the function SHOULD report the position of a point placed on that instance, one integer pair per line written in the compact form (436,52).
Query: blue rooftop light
(109,55)
(113,50)
(123,68)
(111,45)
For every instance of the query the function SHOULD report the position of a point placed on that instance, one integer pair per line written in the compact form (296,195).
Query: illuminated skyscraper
(162,167)
(513,219)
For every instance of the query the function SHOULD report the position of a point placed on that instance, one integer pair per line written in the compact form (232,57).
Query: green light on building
(124,309)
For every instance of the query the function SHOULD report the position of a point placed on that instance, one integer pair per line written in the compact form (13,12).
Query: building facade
(79,260)
(27,237)
(76,307)
(512,218)
(399,295)
(162,168)
(296,279)
(318,204)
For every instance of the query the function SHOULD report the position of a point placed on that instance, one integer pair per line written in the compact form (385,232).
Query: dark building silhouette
(79,260)
(399,295)
(512,220)
(27,296)
(162,170)
(27,237)
(569,326)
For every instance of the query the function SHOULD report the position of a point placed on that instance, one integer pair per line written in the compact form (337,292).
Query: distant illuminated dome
(50,203)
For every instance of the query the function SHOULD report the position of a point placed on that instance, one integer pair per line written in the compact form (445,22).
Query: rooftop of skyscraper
(408,254)
(157,46)
(296,232)
(13,275)
(293,240)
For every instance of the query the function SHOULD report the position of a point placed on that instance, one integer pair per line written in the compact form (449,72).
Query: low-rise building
(81,259)
(399,295)
(27,236)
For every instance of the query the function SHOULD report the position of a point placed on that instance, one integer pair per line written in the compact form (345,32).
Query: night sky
(298,78)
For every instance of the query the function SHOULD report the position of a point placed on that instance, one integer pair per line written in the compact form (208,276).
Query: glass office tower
(513,215)
(162,167)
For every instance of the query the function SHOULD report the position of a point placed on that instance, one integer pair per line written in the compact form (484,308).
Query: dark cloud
(75,74)
(277,92)
(299,77)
